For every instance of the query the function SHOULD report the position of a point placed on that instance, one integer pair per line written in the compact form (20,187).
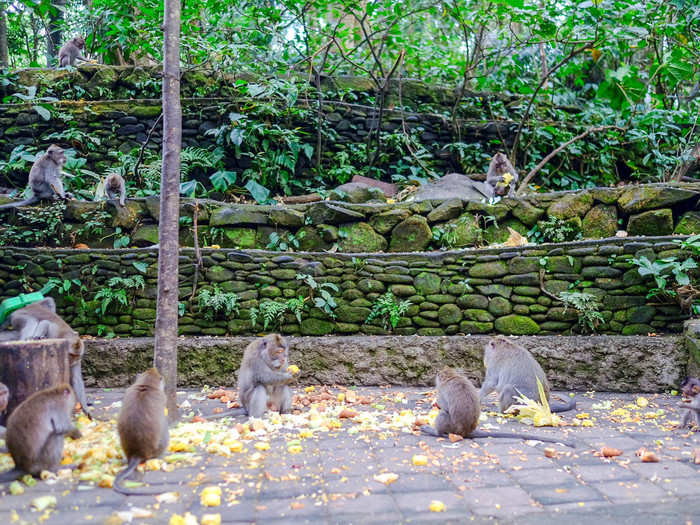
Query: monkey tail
(563,407)
(11,475)
(25,202)
(234,412)
(481,434)
(119,487)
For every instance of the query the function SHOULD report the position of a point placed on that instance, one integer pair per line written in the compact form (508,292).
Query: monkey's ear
(696,389)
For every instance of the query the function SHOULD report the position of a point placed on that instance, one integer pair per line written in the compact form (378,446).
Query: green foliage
(388,309)
(273,312)
(554,230)
(320,293)
(668,274)
(119,290)
(588,308)
(41,226)
(215,303)
(288,242)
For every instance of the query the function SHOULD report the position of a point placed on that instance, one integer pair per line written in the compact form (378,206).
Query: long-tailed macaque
(263,380)
(497,177)
(4,399)
(115,188)
(459,411)
(38,321)
(35,431)
(511,370)
(142,426)
(45,178)
(71,51)
(690,390)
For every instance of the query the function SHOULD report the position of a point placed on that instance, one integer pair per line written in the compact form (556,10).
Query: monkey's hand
(293,369)
(428,430)
(74,433)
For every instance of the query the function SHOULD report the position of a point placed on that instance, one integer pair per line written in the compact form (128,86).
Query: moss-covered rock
(637,329)
(638,198)
(654,222)
(475,327)
(600,222)
(563,264)
(427,283)
(527,213)
(500,306)
(360,237)
(310,240)
(449,314)
(689,224)
(478,315)
(311,326)
(516,325)
(352,314)
(357,192)
(219,274)
(230,215)
(519,265)
(371,286)
(499,233)
(572,205)
(384,222)
(411,235)
(489,269)
(462,231)
(146,235)
(326,213)
(473,301)
(286,216)
(241,237)
(449,209)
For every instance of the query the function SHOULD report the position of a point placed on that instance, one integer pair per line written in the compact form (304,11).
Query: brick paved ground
(494,481)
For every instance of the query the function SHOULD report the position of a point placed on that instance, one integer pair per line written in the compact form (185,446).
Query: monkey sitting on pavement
(690,390)
(35,431)
(263,380)
(115,188)
(45,178)
(38,321)
(142,426)
(458,401)
(502,176)
(71,51)
(511,370)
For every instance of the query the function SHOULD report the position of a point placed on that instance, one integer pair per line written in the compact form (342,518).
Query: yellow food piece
(583,415)
(341,397)
(586,423)
(106,482)
(210,497)
(309,389)
(178,446)
(262,445)
(294,449)
(306,433)
(419,460)
(16,488)
(293,369)
(187,519)
(642,402)
(234,445)
(43,502)
(211,519)
(437,506)
(386,478)
(390,201)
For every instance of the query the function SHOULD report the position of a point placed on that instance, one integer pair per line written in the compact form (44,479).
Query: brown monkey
(70,51)
(142,426)
(263,378)
(45,178)
(511,370)
(35,431)
(115,187)
(4,399)
(496,176)
(39,320)
(690,390)
(459,411)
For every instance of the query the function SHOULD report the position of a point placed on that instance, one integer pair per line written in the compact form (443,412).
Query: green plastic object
(15,303)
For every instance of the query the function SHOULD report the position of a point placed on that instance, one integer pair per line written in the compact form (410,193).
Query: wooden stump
(29,366)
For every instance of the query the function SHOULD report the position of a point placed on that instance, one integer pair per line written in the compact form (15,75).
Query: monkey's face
(690,387)
(79,42)
(76,351)
(57,155)
(276,350)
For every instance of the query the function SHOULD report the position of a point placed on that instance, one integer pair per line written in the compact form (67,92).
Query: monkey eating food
(115,188)
(263,379)
(35,431)
(502,176)
(45,178)
(38,321)
(690,390)
(458,401)
(511,371)
(71,51)
(142,426)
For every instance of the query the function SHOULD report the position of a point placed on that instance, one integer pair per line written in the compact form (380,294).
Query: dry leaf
(647,456)
(346,413)
(514,238)
(454,438)
(610,452)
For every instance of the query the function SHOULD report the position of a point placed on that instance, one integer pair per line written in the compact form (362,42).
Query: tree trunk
(54,36)
(4,53)
(165,357)
(29,366)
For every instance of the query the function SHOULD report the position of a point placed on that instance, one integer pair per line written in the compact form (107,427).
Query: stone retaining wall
(603,363)
(468,291)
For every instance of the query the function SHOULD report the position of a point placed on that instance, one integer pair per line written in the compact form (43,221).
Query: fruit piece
(454,438)
(346,413)
(293,369)
(696,456)
(550,452)
(43,502)
(296,505)
(649,457)
(437,506)
(610,452)
(386,478)
(262,445)
(211,519)
(234,446)
(16,488)
(210,496)
(341,397)
(294,449)
(419,460)
(642,402)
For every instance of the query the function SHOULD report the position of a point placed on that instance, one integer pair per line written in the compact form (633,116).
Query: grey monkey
(115,187)
(71,51)
(499,166)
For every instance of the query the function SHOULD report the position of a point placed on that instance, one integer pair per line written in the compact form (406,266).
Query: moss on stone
(516,325)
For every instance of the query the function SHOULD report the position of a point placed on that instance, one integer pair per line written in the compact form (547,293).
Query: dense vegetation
(622,75)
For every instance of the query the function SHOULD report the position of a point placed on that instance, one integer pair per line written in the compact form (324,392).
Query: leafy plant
(324,300)
(41,226)
(120,290)
(272,313)
(553,230)
(388,309)
(668,274)
(286,242)
(587,305)
(215,303)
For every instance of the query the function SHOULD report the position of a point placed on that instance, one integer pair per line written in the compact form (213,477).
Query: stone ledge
(602,363)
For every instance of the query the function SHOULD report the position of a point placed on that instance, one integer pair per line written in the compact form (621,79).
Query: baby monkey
(45,178)
(35,431)
(71,51)
(511,370)
(142,426)
(502,176)
(690,390)
(115,188)
(263,380)
(459,406)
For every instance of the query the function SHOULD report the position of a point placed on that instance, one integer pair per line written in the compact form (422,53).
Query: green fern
(388,309)
(215,302)
(118,290)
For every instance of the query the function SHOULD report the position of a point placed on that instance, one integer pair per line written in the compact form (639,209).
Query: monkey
(142,425)
(690,390)
(45,178)
(115,187)
(511,370)
(262,378)
(4,399)
(496,176)
(39,320)
(458,401)
(35,431)
(70,51)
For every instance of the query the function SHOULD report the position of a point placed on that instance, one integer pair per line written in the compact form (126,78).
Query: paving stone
(597,473)
(555,494)
(641,491)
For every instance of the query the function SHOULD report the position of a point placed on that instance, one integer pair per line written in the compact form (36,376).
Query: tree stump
(29,366)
